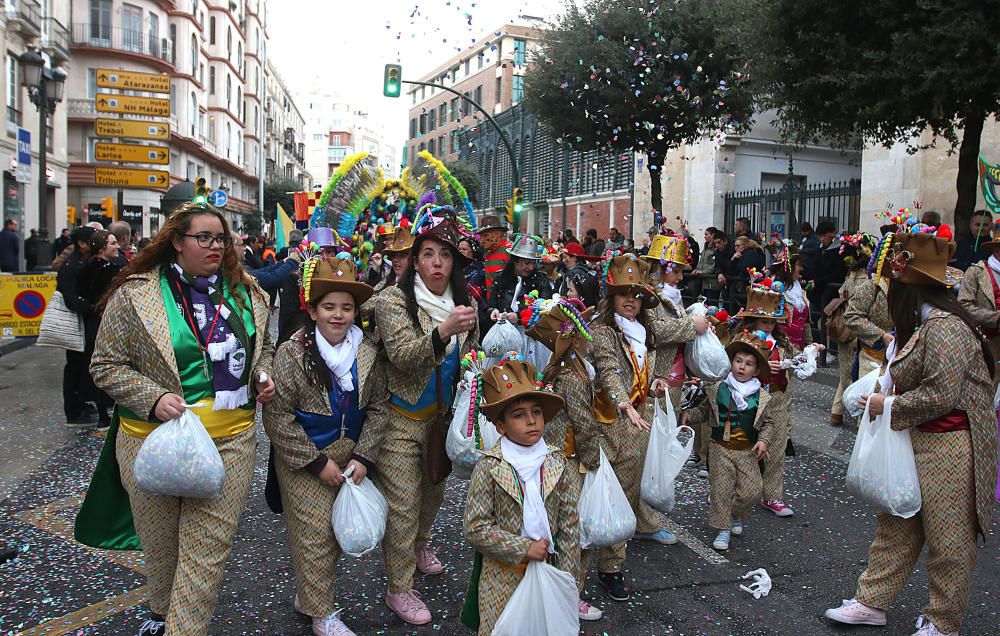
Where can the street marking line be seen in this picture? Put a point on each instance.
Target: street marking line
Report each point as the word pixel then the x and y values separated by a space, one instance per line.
pixel 695 544
pixel 90 614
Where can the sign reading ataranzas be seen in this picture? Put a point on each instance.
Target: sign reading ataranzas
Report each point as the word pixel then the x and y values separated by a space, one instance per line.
pixel 133 81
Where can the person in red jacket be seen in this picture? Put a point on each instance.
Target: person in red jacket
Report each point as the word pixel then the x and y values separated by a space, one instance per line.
pixel 493 237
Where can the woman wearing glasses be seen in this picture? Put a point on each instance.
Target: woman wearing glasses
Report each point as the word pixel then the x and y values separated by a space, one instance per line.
pixel 183 325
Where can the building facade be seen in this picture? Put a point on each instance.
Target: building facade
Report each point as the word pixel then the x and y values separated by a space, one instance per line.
pixel 43 25
pixel 215 56
pixel 284 130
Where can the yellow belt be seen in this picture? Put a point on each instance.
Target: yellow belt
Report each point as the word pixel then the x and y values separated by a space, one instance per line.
pixel 217 423
pixel 873 353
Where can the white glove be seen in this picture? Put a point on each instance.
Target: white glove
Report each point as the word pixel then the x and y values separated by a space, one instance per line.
pixel 761 585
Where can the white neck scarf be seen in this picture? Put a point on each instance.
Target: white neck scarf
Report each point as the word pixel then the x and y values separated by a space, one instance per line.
pixel 635 333
pixel 796 296
pixel 672 294
pixel 994 264
pixel 527 462
pixel 515 303
pixel 885 382
pixel 340 358
pixel 437 307
pixel 742 390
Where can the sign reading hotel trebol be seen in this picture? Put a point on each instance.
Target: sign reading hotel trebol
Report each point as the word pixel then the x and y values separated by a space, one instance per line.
pixel 132 129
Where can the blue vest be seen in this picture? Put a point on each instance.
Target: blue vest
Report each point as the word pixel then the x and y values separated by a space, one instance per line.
pixel 346 421
pixel 427 403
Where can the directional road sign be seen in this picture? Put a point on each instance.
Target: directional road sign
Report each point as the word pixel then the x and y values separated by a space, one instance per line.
pixel 132 153
pixel 131 105
pixel 132 128
pixel 132 81
pixel 132 177
pixel 218 198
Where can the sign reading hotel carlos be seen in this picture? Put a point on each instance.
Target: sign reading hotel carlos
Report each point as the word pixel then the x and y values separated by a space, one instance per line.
pixel 23 299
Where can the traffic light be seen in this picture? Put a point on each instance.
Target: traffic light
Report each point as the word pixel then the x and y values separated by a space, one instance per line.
pixel 70 215
pixel 514 207
pixel 200 190
pixel 392 81
pixel 108 208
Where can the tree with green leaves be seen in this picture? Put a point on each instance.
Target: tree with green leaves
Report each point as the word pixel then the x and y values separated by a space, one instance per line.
pixel 881 71
pixel 648 76
pixel 468 175
pixel 279 191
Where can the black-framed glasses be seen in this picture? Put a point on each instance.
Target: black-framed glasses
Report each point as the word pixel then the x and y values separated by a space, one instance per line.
pixel 206 240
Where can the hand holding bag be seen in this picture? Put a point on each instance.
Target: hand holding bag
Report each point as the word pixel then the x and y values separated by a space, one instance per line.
pixel 180 459
pixel 61 327
pixel 359 516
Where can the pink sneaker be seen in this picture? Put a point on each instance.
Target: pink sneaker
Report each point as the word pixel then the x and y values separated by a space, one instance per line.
pixel 588 612
pixel 778 507
pixel 853 612
pixel 926 628
pixel 427 561
pixel 408 606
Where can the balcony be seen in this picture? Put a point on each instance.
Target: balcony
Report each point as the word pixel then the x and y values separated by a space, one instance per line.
pixel 55 40
pixel 103 36
pixel 25 15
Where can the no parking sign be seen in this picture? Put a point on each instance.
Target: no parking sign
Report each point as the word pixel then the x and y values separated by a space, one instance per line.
pixel 23 298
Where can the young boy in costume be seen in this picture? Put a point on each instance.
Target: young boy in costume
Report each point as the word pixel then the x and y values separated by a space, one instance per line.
pixel 523 498
pixel 741 420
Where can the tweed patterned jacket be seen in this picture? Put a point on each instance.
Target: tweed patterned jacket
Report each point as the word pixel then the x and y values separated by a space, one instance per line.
pixel 578 393
pixel 767 421
pixel 134 359
pixel 494 517
pixel 867 314
pixel 672 329
pixel 940 369
pixel 976 295
pixel 296 390
pixel 409 349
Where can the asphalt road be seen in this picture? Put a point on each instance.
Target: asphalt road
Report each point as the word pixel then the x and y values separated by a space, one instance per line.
pixel 56 586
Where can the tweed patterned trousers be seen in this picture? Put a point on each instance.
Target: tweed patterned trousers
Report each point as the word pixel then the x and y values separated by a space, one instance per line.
pixel 845 362
pixel 946 523
pixel 774 466
pixel 735 484
pixel 186 542
pixel 308 503
pixel 414 501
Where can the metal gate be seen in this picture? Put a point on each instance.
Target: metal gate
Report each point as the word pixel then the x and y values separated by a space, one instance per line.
pixel 785 209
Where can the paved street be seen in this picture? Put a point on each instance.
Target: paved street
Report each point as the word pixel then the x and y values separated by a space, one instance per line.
pixel 56 586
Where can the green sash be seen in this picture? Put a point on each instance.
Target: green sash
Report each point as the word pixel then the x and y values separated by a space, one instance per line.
pixel 470 608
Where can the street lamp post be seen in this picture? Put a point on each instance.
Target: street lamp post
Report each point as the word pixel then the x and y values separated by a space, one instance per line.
pixel 45 88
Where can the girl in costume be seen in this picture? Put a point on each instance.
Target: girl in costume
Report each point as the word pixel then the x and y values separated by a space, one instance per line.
pixel 328 386
pixel 521 277
pixel 867 315
pixel 787 269
pixel 523 497
pixel 582 285
pixel 184 324
pixel 626 345
pixel 857 253
pixel 428 323
pixel 938 386
pixel 562 327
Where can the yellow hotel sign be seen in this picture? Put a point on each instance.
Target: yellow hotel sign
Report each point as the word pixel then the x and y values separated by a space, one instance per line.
pixel 132 153
pixel 131 105
pixel 132 81
pixel 132 177
pixel 132 129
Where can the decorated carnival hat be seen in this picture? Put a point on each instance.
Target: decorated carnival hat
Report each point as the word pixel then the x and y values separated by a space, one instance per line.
pixel 491 222
pixel 441 225
pixel 320 276
pixel 385 230
pixel 754 342
pixel 514 379
pixel 621 274
pixel 916 254
pixel 858 247
pixel 402 241
pixel 784 252
pixel 526 246
pixel 559 323
pixel 323 237
pixel 765 298
pixel 670 248
pixel 575 249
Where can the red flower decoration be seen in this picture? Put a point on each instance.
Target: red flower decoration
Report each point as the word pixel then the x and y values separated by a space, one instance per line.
pixel 945 232
pixel 722 315
pixel 766 282
pixel 525 316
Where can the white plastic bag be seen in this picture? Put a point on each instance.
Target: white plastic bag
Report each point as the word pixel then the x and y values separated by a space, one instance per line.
pixel 465 446
pixel 865 385
pixel 804 364
pixel 665 457
pixel 359 516
pixel 545 603
pixel 705 356
pixel 500 339
pixel 179 459
pixel 883 471
pixel 606 517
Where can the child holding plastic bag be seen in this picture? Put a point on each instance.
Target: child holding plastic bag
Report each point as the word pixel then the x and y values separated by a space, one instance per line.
pixel 329 386
pixel 742 419
pixel 563 329
pixel 522 502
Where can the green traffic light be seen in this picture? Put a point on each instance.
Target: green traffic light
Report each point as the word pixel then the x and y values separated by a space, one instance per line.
pixel 518 207
pixel 200 199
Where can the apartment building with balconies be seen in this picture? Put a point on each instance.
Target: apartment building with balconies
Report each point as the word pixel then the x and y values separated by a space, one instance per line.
pixel 215 53
pixel 284 131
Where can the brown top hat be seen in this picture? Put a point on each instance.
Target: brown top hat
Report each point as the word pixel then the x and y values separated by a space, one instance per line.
pixel 441 226
pixel 920 259
pixel 763 303
pixel 513 380
pixel 752 342
pixel 333 274
pixel 402 241
pixel 490 222
pixel 627 273
pixel 560 325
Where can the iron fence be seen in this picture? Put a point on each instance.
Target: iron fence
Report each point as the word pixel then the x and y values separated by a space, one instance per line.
pixel 783 210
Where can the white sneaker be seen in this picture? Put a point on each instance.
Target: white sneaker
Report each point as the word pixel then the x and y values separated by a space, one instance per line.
pixel 588 612
pixel 926 628
pixel 737 527
pixel 722 540
pixel 331 626
pixel 703 472
pixel 853 612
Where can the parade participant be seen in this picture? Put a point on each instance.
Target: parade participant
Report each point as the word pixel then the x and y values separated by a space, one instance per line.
pixel 493 237
pixel 428 323
pixel 624 355
pixel 562 328
pixel 582 285
pixel 379 267
pixel 857 252
pixel 574 261
pixel 787 269
pixel 291 314
pixel 398 253
pixel 523 497
pixel 742 420
pixel 184 325
pixel 867 317
pixel 519 278
pixel 979 292
pixel 93 282
pixel 327 387
pixel 939 388
pixel 550 267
